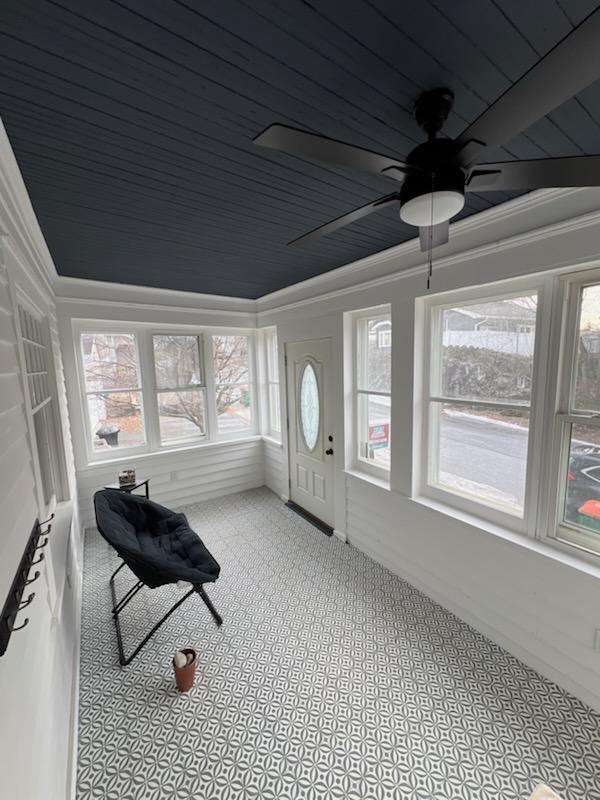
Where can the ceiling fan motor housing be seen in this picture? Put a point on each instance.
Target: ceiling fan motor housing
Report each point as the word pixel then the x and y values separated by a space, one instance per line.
pixel 434 191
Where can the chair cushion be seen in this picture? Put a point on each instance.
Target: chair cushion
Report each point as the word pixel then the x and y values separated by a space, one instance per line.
pixel 156 543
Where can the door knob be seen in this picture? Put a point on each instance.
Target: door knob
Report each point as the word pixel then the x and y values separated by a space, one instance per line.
pixel 329 451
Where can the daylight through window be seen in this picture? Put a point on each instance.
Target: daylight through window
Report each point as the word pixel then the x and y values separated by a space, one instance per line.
pixel 373 389
pixel 479 399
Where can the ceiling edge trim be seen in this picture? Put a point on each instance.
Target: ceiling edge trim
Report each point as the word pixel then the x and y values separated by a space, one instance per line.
pixel 520 240
pixel 341 275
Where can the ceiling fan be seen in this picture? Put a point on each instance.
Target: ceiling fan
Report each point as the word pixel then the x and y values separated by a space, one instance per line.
pixel 436 174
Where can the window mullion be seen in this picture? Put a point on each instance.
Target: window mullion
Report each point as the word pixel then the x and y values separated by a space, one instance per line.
pixel 209 379
pixel 148 389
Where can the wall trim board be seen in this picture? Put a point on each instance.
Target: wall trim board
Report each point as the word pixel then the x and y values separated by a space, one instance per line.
pixel 74 733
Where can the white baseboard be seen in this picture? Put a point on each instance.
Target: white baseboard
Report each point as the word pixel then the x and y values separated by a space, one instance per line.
pixel 341 535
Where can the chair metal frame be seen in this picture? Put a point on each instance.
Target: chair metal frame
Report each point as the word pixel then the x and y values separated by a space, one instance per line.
pixel 119 605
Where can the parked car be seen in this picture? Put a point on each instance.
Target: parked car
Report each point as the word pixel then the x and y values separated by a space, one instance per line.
pixel 583 485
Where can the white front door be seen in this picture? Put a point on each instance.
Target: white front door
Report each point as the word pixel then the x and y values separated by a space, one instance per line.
pixel 310 431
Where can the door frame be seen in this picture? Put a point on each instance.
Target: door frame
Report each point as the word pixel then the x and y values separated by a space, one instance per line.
pixel 328 384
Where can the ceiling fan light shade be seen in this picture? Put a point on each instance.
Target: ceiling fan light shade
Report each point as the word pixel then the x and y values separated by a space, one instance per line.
pixel 432 208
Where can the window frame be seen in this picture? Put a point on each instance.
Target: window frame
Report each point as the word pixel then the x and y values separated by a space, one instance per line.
pixel 251 382
pixel 49 407
pixel 271 351
pixel 359 318
pixel 562 416
pixel 201 387
pixel 143 333
pixel 430 330
pixel 121 451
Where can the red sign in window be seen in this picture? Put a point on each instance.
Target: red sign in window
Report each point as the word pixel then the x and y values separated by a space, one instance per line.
pixel 379 436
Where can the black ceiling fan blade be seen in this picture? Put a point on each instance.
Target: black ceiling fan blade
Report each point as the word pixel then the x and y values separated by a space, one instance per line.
pixel 571 66
pixel 434 236
pixel 538 173
pixel 347 219
pixel 322 148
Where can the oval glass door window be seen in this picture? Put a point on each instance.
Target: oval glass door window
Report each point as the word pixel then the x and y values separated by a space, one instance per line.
pixel 309 407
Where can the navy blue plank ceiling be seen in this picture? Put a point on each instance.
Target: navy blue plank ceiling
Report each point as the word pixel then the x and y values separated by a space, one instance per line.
pixel 132 121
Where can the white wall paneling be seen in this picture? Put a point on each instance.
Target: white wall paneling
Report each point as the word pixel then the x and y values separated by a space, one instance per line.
pixel 38 672
pixel 182 477
pixel 274 467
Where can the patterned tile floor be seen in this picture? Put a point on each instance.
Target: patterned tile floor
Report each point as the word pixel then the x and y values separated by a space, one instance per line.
pixel 331 678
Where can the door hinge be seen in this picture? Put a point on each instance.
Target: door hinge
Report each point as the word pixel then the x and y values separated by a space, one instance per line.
pixel 289 483
pixel 285 360
pixel 287 423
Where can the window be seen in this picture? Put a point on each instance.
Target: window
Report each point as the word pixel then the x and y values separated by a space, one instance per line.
pixel 38 387
pixel 478 401
pixel 274 408
pixel 579 420
pixel 233 396
pixel 146 390
pixel 373 369
pixel 180 388
pixel 112 390
pixel 384 338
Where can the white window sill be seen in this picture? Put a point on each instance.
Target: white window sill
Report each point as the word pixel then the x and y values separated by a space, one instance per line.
pixel 381 483
pixel 548 548
pixel 140 457
pixel 266 437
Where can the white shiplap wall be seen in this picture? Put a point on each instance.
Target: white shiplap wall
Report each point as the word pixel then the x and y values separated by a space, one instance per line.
pixel 38 671
pixel 274 472
pixel 182 477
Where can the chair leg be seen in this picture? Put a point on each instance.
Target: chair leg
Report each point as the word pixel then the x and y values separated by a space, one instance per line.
pixel 125 660
pixel 127 597
pixel 217 617
pixel 119 605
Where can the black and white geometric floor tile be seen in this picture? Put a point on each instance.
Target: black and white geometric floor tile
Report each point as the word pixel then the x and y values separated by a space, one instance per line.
pixel 330 679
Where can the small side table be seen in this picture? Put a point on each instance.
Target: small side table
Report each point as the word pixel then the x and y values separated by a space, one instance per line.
pixel 145 482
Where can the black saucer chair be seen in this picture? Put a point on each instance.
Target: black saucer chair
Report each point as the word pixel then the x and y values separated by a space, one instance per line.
pixel 159 547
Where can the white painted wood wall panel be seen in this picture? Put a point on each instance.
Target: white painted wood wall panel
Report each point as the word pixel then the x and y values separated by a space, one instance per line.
pixel 274 472
pixel 542 610
pixel 38 671
pixel 184 477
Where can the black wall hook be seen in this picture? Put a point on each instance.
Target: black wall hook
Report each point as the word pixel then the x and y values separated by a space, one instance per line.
pixel 14 600
pixel 25 603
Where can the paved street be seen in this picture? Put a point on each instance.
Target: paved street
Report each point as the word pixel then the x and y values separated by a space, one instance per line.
pixel 474 450
pixel 485 452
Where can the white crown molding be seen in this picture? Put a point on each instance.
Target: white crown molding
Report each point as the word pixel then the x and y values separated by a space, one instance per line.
pixel 519 240
pixel 117 295
pixel 339 279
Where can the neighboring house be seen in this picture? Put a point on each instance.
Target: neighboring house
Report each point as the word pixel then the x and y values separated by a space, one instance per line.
pixel 500 316
pixel 380 334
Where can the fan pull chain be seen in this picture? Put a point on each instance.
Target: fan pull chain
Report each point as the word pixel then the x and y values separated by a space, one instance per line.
pixel 430 273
